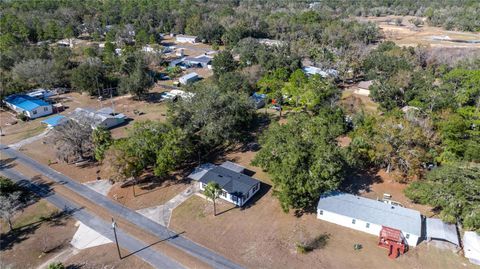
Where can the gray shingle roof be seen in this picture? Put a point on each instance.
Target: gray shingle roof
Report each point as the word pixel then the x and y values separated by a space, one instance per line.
pixel 372 211
pixel 234 183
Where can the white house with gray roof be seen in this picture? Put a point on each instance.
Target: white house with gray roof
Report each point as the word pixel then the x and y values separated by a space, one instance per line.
pixel 369 215
pixel 237 188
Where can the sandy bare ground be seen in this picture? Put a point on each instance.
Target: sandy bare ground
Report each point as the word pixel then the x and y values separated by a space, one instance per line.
pixel 25 247
pixel 409 35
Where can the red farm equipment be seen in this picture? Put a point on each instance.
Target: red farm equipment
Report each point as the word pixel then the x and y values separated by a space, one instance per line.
pixel 393 240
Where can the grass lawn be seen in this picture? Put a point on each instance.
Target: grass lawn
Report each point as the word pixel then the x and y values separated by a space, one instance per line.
pixel 39 234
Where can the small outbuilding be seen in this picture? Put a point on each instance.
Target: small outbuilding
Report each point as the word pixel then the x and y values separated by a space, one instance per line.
pixel 186 39
pixel 31 107
pixel 54 121
pixel 471 247
pixel 438 230
pixel 363 88
pixel 189 78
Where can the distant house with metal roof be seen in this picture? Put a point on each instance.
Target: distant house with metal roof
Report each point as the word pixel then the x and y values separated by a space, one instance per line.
pixel 104 117
pixel 41 93
pixel 176 62
pixel 369 215
pixel 202 60
pixel 55 121
pixel 186 39
pixel 325 73
pixel 29 106
pixel 237 187
pixel 189 78
pixel 271 42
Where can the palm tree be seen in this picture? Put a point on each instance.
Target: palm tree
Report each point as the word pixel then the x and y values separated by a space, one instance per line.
pixel 212 191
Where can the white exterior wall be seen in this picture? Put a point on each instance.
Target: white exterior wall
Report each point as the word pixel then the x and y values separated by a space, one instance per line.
pixel 360 225
pixel 228 197
pixel 363 92
pixel 188 80
pixel 181 39
pixel 41 111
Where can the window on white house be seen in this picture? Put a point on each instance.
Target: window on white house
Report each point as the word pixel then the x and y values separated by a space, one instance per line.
pixel 321 212
pixel 367 225
pixel 255 188
pixel 34 112
pixel 45 109
pixel 247 195
pixel 353 221
pixel 224 194
pixel 407 236
pixel 234 198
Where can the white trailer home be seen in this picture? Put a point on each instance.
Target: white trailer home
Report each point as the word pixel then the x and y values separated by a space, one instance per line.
pixel 186 39
pixel 189 78
pixel 369 216
pixel 104 117
pixel 237 188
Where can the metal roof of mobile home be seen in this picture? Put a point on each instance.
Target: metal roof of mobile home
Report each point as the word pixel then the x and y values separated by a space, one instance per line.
pixel 437 229
pixel 372 211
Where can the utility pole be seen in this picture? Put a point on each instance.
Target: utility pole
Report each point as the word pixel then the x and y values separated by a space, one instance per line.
pixel 114 226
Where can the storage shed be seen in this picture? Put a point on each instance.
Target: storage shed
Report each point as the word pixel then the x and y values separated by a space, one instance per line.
pixel 438 230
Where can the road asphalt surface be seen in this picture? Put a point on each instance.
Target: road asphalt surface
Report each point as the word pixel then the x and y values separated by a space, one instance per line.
pixel 204 254
pixel 134 246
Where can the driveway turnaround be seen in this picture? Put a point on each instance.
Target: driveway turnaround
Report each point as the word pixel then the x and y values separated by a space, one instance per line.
pixel 204 254
pixel 149 255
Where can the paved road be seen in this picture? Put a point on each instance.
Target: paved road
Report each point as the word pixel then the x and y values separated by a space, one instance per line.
pixel 153 257
pixel 208 256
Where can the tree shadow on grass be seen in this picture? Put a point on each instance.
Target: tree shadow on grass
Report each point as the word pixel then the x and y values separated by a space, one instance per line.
pixel 7 163
pixel 357 181
pixel 20 234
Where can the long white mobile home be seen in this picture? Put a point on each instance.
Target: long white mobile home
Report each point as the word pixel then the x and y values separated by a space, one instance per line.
pixel 369 216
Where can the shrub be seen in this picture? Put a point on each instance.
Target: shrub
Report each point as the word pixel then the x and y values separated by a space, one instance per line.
pixel 22 117
pixel 56 265
pixel 318 242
